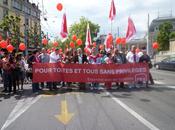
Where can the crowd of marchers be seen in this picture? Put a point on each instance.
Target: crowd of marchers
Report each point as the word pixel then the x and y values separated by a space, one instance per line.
pixel 17 69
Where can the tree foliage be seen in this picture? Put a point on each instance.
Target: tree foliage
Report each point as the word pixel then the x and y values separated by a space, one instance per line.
pixel 172 35
pixel 11 28
pixel 79 29
pixel 164 36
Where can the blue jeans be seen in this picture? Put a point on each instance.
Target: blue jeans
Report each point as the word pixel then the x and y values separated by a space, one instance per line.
pixel 35 87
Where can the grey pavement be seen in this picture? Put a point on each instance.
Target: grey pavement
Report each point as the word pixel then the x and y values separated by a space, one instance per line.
pixel 94 110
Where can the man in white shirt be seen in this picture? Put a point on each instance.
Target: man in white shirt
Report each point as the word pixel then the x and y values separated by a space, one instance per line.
pixel 132 57
pixel 54 56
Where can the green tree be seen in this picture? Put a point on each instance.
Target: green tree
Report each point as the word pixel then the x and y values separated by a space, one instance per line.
pixel 79 29
pixel 11 28
pixel 164 36
pixel 172 35
pixel 34 36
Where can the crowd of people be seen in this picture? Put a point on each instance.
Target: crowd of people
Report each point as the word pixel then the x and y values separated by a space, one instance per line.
pixel 17 69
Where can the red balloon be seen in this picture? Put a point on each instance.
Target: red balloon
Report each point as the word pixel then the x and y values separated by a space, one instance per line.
pixel 45 41
pixel 155 45
pixel 72 45
pixel 3 44
pixel 59 6
pixel 118 40
pixel 10 48
pixel 94 44
pixel 123 40
pixel 74 37
pixel 79 42
pixel 22 46
pixel 55 44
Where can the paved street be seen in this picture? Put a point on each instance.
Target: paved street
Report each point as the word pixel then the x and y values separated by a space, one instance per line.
pixel 125 109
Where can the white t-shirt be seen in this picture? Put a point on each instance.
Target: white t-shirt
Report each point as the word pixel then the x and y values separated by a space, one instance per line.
pixel 54 58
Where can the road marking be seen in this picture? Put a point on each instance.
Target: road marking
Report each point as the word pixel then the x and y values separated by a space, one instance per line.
pixel 132 112
pixel 65 116
pixel 162 83
pixel 21 106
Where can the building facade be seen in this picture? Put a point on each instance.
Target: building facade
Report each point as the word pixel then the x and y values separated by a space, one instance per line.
pixel 29 14
pixel 154 28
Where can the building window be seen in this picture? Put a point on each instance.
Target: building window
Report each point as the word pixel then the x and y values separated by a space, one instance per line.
pixel 17 5
pixel 27 21
pixel 5 12
pixel 5 2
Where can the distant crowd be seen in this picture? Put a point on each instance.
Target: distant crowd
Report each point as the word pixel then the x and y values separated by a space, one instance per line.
pixel 15 69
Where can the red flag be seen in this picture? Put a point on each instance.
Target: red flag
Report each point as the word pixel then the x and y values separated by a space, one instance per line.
pixel 108 42
pixel 88 42
pixel 131 29
pixel 112 12
pixel 64 31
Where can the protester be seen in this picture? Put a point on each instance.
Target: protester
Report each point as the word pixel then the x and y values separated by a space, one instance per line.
pixel 7 72
pixel 93 60
pixel 108 60
pixel 132 57
pixel 54 58
pixel 32 60
pixel 44 58
pixel 146 59
pixel 81 58
pixel 118 58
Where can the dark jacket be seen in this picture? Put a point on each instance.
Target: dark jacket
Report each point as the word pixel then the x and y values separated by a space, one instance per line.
pixel 84 59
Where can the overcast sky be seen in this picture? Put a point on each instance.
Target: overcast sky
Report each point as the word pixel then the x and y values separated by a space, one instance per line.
pixel 98 11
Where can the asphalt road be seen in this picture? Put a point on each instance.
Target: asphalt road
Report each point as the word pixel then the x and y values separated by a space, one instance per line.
pixel 125 109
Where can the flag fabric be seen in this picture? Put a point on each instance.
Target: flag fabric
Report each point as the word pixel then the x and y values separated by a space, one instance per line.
pixel 112 12
pixel 108 42
pixel 88 42
pixel 64 31
pixel 131 29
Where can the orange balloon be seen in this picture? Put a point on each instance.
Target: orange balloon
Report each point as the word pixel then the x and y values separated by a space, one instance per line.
pixel 22 46
pixel 155 45
pixel 55 44
pixel 72 45
pixel 118 40
pixel 10 48
pixel 59 6
pixel 74 37
pixel 45 41
pixel 79 42
pixel 123 40
pixel 3 44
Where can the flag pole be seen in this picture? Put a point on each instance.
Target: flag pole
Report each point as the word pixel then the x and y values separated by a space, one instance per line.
pixel 148 47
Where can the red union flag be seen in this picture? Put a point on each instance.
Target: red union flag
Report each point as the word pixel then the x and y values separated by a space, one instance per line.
pixel 131 29
pixel 64 31
pixel 88 42
pixel 112 12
